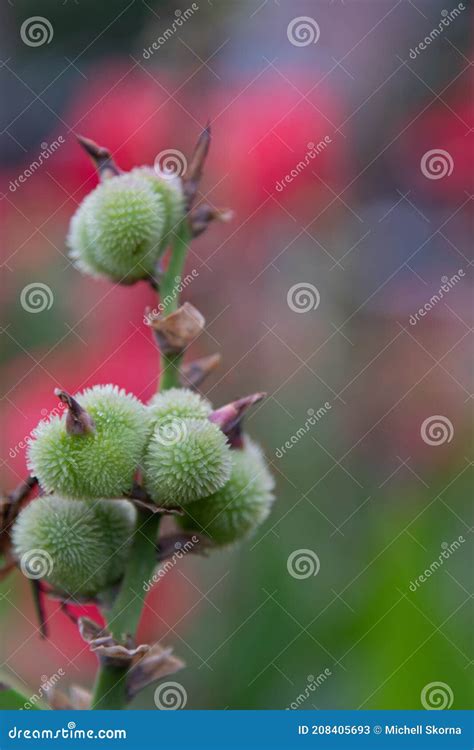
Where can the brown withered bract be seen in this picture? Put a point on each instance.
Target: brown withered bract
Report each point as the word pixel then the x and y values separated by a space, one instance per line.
pixel 175 332
pixel 105 165
pixel 229 417
pixel 78 421
pixel 193 373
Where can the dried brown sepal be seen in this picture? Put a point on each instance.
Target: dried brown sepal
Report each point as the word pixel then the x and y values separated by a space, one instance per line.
pixel 104 645
pixel 193 374
pixel 175 332
pixel 229 417
pixel 191 542
pixel 201 217
pixel 78 421
pixel 159 662
pixel 193 174
pixel 105 165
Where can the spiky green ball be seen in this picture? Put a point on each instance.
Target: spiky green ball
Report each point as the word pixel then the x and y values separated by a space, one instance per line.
pixel 186 459
pixel 178 403
pixel 118 229
pixel 122 226
pixel 235 510
pixel 79 547
pixel 169 188
pixel 97 464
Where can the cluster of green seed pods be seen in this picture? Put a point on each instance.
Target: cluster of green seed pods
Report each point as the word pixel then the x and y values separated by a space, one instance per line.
pixel 89 466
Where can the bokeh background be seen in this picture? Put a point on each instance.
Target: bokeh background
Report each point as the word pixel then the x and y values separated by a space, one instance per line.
pixel 367 227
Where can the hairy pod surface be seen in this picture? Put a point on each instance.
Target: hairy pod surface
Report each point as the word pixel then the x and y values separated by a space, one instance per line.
pixel 186 459
pixel 79 547
pixel 178 403
pixel 101 463
pixel 122 226
pixel 238 508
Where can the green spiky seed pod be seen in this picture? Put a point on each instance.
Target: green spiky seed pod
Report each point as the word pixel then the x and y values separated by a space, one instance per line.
pixel 118 229
pixel 186 459
pixel 100 462
pixel 170 189
pixel 235 511
pixel 80 548
pixel 178 403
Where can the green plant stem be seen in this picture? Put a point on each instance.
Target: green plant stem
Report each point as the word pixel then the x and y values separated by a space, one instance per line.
pixel 170 363
pixel 109 690
pixel 110 686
